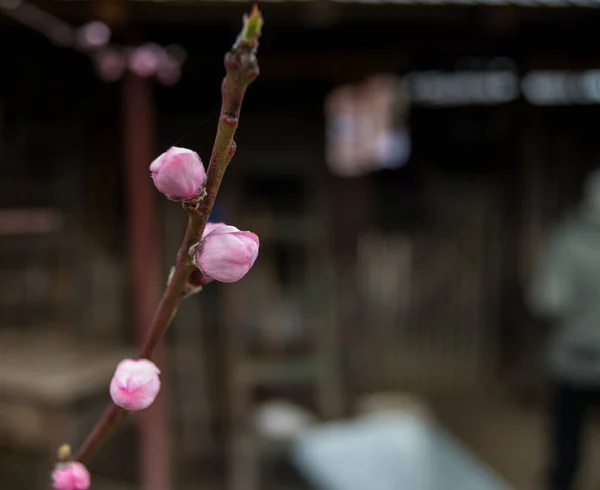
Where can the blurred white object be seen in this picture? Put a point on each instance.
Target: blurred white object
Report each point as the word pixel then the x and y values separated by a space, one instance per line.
pixel 393 148
pixel 389 450
pixel 282 421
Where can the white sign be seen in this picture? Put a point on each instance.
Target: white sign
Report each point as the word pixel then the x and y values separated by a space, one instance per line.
pixel 463 88
pixel 542 88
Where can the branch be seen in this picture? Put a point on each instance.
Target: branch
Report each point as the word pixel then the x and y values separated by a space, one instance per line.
pixel 241 69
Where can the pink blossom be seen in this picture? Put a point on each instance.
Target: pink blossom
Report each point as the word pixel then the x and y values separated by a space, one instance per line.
pixel 110 64
pixel 145 60
pixel 135 384
pixel 178 173
pixel 226 254
pixel 71 476
pixel 94 35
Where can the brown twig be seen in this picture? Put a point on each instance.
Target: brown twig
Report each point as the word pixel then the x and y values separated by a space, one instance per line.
pixel 241 69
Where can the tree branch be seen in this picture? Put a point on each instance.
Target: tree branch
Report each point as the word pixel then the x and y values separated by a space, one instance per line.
pixel 241 69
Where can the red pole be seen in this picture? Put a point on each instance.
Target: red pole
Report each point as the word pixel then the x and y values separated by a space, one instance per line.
pixel 144 259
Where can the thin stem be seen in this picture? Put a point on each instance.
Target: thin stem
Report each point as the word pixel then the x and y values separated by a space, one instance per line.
pixel 110 420
pixel 169 303
pixel 242 68
pixel 166 310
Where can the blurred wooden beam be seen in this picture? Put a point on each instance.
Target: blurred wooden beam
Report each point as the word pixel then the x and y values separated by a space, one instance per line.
pixel 145 277
pixel 314 13
pixel 34 221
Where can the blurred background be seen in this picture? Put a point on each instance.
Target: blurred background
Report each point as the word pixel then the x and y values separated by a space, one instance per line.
pixel 402 163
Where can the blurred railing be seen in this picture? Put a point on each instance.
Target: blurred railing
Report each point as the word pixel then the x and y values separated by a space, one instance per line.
pixel 430 296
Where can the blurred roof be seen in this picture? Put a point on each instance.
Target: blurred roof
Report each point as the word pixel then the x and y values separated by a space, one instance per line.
pixel 521 3
pixel 320 13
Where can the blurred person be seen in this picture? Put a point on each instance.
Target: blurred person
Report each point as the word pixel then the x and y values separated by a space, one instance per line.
pixel 366 126
pixel 566 290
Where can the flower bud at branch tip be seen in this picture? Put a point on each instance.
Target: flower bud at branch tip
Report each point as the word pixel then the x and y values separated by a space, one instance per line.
pixel 179 174
pixel 64 452
pixel 135 384
pixel 252 27
pixel 225 253
pixel 71 476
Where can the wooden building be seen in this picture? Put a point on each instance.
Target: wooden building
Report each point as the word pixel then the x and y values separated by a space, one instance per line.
pixel 426 260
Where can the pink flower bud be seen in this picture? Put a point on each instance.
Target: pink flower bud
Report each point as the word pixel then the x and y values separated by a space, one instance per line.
pixel 135 384
pixel 71 476
pixel 178 173
pixel 226 254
